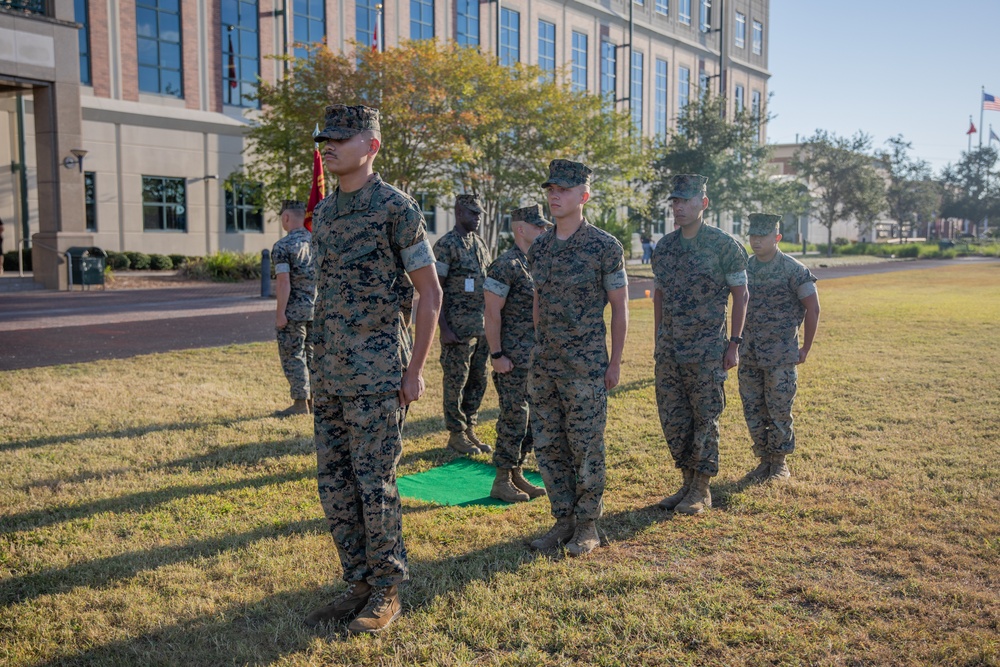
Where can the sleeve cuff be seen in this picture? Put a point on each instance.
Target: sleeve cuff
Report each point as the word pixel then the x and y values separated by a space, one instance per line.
pixel 442 269
pixel 616 280
pixel 282 268
pixel 736 279
pixel 806 290
pixel 497 287
pixel 417 256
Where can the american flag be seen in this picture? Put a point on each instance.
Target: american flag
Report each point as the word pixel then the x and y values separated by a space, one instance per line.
pixel 990 103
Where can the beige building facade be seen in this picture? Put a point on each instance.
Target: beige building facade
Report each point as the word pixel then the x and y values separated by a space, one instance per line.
pixel 152 91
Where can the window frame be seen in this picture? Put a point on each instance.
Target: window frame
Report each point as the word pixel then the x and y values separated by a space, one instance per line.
pixel 579 67
pixel 90 200
pixel 308 20
pixel 510 46
pixel 550 67
pixel 739 103
pixel 81 14
pixel 683 88
pixel 662 7
pixel 235 58
pixel 365 8
pixel 684 12
pixel 758 38
pixel 163 205
pixel 740 33
pixel 660 95
pixel 609 74
pixel 466 38
pixel 240 208
pixel 418 23
pixel 638 67
pixel 161 89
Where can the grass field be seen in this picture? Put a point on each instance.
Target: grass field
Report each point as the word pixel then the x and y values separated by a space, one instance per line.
pixel 155 514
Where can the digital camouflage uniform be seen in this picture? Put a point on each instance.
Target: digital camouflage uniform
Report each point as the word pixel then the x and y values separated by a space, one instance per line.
pixel 566 384
pixel 292 254
pixel 770 351
pixel 461 267
pixel 509 278
pixel 363 252
pixel 694 277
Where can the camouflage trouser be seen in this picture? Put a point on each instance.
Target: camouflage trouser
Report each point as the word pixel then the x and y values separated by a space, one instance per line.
pixel 514 439
pixel 567 420
pixel 690 398
pixel 768 393
pixel 464 366
pixel 295 349
pixel 358 445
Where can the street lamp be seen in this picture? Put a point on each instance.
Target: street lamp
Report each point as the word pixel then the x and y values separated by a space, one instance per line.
pixel 76 160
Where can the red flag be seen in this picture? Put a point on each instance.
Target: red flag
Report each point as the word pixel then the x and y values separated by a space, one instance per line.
pixel 232 64
pixel 318 189
pixel 375 34
pixel 972 128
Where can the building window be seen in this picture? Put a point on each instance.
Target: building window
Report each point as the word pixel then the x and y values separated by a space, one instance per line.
pixel 740 39
pixel 243 213
pixel 639 2
pixel 663 7
pixel 660 115
pixel 636 93
pixel 547 47
pixel 309 23
pixel 467 28
pixel 80 16
pixel 758 37
pixel 428 210
pixel 684 11
pixel 704 15
pixel 703 85
pixel 364 19
pixel 609 71
pixel 579 61
pixel 738 99
pixel 755 103
pixel 90 199
pixel 240 64
pixel 164 204
pixel 683 87
pixel 510 36
pixel 421 19
pixel 158 32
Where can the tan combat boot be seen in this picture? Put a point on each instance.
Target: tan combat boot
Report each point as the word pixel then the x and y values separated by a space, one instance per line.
pixel 299 407
pixel 699 497
pixel 350 603
pixel 461 443
pixel 671 502
pixel 779 471
pixel 503 489
pixel 479 444
pixel 558 535
pixel 382 609
pixel 758 474
pixel 584 540
pixel 517 477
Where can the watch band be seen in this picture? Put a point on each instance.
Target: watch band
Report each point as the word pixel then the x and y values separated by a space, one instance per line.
pixel 736 339
pixel 496 355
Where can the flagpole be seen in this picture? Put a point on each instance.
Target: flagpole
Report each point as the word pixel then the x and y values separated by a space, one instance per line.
pixel 982 97
pixel 381 28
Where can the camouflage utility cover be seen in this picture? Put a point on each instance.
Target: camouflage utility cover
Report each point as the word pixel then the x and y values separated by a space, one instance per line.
pixel 471 202
pixel 460 258
pixel 775 311
pixel 292 254
pixel 343 122
pixel 531 215
pixel 762 224
pixel 508 277
pixel 686 186
pixel 291 205
pixel 568 174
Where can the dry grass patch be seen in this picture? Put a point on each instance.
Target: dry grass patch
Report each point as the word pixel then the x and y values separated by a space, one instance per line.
pixel 155 513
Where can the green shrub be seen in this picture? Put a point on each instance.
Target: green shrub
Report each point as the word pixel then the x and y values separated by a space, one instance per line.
pixel 908 250
pixel 118 261
pixel 160 262
pixel 178 260
pixel 224 266
pixel 138 260
pixel 10 260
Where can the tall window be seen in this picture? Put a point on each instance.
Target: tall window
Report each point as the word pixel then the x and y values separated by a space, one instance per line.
pixel 758 37
pixel 579 61
pixel 164 204
pixel 704 15
pixel 683 87
pixel 639 2
pixel 243 212
pixel 740 39
pixel 510 36
pixel 636 93
pixel 90 199
pixel 755 103
pixel 364 21
pixel 738 99
pixel 609 71
pixel 703 85
pixel 663 7
pixel 426 203
pixel 660 114
pixel 80 16
pixel 421 19
pixel 547 47
pixel 684 11
pixel 309 24
pixel 240 62
pixel 467 25
pixel 158 31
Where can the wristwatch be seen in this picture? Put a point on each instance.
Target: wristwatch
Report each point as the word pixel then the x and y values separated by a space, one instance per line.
pixel 496 355
pixel 736 339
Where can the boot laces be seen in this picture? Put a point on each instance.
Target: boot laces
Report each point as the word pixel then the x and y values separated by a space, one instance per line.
pixel 378 601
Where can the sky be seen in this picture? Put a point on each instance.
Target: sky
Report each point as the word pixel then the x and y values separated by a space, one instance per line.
pixel 885 67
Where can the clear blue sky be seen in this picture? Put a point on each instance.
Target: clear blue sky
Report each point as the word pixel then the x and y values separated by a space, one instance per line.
pixel 886 67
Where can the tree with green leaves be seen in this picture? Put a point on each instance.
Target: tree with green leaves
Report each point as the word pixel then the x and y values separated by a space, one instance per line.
pixel 913 197
pixel 972 187
pixel 842 178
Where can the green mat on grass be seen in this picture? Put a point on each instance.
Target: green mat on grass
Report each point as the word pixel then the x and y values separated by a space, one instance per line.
pixel 462 482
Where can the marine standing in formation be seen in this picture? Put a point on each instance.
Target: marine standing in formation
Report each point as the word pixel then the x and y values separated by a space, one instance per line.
pixel 510 332
pixel 371 251
pixel 296 293
pixel 696 268
pixel 577 269
pixel 462 258
pixel 782 295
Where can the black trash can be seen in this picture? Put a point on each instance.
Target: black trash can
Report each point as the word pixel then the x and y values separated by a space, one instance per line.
pixel 86 266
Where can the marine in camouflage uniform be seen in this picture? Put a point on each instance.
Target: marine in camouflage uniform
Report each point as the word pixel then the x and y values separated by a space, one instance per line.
pixel 369 243
pixel 510 331
pixel 782 294
pixel 694 277
pixel 575 278
pixel 462 258
pixel 296 291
